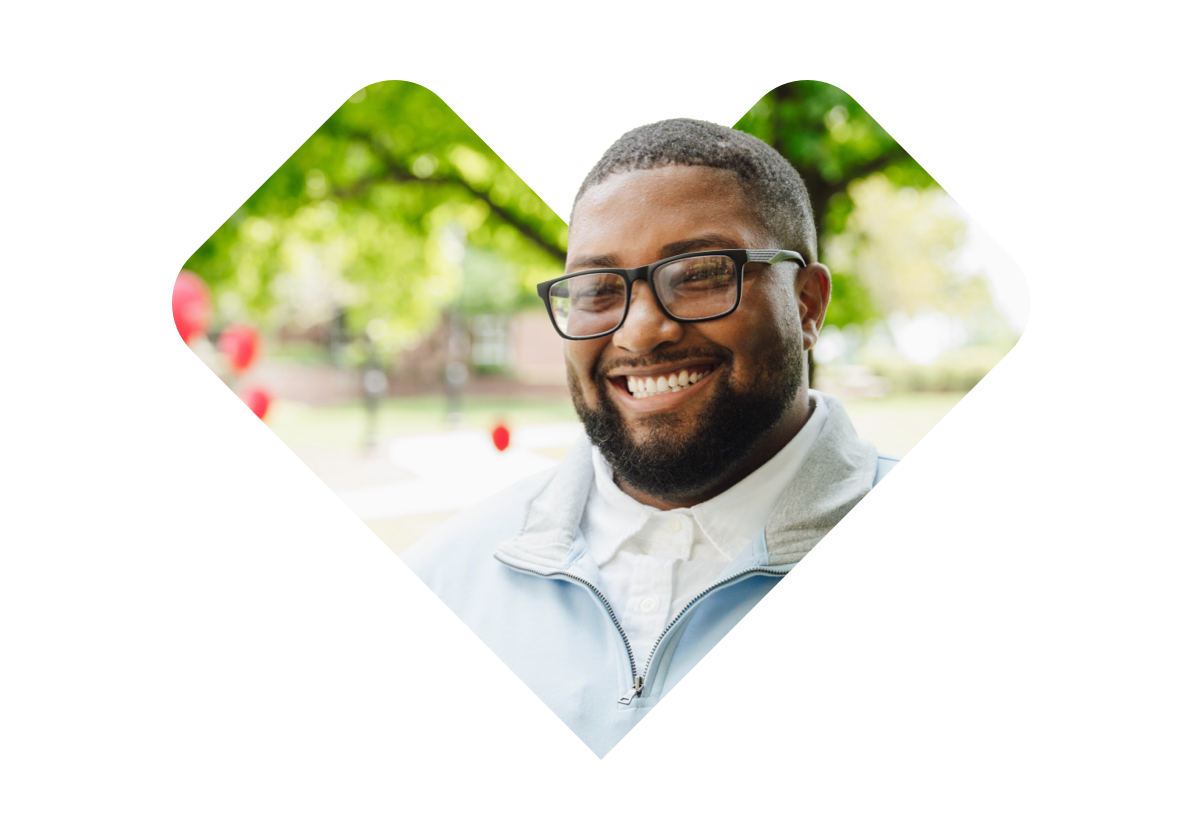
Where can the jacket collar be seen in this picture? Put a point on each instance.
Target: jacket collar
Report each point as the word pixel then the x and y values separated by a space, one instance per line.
pixel 545 540
pixel 837 472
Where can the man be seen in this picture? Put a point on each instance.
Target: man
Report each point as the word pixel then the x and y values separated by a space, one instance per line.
pixel 710 468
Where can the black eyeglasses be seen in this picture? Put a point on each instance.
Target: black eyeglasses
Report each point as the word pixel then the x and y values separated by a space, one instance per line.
pixel 690 288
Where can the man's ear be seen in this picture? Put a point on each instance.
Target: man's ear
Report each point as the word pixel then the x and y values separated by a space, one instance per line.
pixel 813 291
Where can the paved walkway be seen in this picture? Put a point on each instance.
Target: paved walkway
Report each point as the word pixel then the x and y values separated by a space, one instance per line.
pixel 429 476
pixel 454 470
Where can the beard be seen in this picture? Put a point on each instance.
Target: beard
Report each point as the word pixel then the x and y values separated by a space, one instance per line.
pixel 680 457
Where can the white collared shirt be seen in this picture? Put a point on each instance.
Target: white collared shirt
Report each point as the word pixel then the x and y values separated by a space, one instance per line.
pixel 652 562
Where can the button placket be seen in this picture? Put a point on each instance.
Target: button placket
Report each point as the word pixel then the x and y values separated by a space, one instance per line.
pixel 644 589
pixel 645 609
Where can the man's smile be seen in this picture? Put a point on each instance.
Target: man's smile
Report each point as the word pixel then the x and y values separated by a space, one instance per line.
pixel 659 387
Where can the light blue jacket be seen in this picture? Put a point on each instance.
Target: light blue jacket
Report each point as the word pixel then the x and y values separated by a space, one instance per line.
pixel 517 570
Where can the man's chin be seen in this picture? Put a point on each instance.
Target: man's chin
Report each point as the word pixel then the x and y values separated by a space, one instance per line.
pixel 646 428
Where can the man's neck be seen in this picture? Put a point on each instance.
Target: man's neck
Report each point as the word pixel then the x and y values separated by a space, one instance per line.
pixel 763 451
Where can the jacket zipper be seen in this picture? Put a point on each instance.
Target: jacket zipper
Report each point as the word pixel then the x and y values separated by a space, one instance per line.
pixel 640 680
pixel 634 673
pixel 637 689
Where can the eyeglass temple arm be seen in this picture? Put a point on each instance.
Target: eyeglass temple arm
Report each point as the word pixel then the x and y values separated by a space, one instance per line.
pixel 771 257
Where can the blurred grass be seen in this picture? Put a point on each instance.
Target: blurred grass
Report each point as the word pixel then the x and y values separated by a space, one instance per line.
pixel 897 422
pixel 894 423
pixel 345 425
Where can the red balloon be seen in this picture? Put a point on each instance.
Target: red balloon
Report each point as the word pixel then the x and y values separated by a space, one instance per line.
pixel 257 399
pixel 500 437
pixel 190 305
pixel 240 346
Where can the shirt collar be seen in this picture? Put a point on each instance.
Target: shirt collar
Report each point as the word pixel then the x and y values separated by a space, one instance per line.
pixel 731 520
pixel 610 516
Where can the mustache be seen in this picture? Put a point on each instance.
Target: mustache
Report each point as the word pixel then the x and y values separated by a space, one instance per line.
pixel 671 356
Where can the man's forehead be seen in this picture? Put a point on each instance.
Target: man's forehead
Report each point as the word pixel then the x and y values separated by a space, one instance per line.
pixel 673 181
pixel 676 209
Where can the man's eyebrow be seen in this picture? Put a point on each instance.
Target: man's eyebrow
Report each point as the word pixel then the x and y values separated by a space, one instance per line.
pixel 583 263
pixel 712 241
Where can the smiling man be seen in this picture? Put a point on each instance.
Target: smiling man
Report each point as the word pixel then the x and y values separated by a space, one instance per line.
pixel 709 468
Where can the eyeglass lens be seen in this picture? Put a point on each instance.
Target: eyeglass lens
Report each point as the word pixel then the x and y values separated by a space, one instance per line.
pixel 691 289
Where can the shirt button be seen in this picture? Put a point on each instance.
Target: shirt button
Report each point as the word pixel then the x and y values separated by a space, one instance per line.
pixel 647 605
pixel 674 525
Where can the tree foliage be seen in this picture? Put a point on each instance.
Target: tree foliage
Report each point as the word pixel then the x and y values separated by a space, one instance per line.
pixel 380 214
pixel 902 246
pixel 832 142
pixel 394 209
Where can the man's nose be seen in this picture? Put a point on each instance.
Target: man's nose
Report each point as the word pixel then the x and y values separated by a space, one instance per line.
pixel 646 326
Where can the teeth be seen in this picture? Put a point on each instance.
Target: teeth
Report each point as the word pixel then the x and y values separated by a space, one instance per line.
pixel 643 386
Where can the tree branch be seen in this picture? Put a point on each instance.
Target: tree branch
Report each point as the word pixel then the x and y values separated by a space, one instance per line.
pixel 822 191
pixel 398 173
pixel 897 155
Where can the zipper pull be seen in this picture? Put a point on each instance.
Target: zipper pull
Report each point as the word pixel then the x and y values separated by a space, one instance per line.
pixel 633 691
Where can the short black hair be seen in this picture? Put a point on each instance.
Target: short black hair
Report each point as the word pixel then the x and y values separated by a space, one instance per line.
pixel 773 188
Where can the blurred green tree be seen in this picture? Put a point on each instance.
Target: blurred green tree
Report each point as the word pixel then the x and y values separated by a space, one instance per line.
pixel 901 245
pixel 394 209
pixel 832 142
pixel 371 218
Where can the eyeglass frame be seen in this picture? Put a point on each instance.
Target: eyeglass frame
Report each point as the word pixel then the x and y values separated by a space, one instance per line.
pixel 630 276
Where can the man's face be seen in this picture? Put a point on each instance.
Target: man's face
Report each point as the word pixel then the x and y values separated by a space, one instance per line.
pixel 679 444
